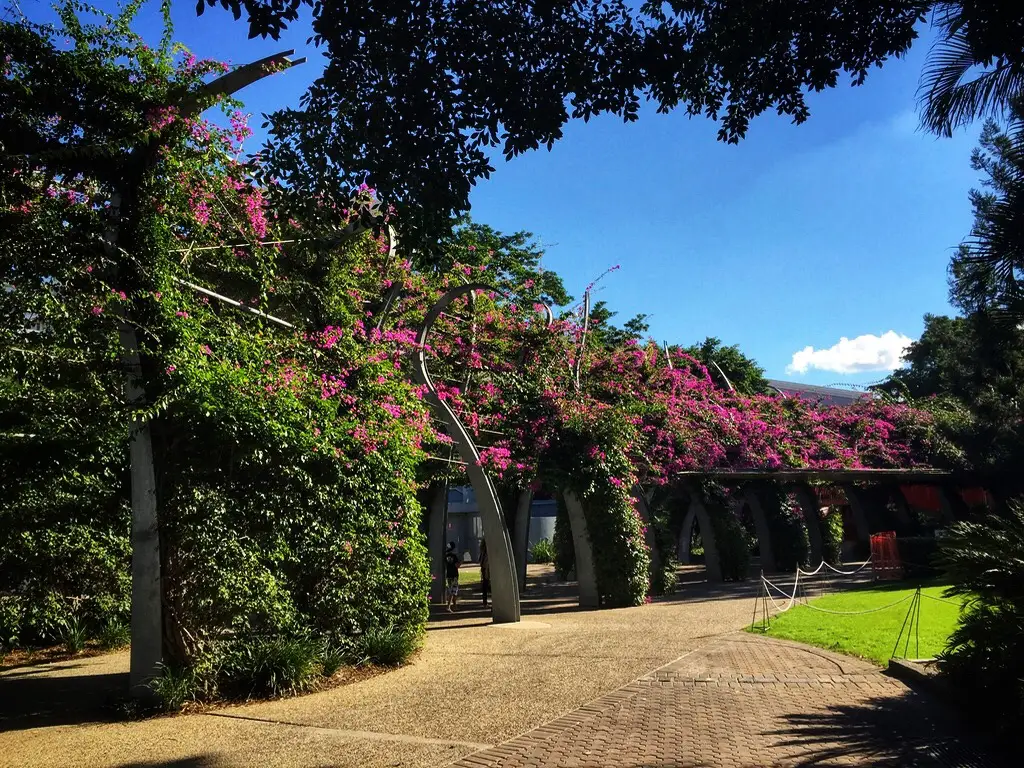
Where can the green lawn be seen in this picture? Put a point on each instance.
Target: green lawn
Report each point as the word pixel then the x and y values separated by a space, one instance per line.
pixel 469 575
pixel 873 635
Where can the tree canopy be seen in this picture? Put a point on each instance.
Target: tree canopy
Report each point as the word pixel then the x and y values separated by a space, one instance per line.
pixel 417 96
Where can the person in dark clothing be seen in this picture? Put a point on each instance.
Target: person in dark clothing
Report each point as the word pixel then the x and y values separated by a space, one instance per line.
pixel 485 570
pixel 451 576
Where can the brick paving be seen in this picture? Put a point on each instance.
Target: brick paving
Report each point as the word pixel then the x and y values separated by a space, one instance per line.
pixel 746 701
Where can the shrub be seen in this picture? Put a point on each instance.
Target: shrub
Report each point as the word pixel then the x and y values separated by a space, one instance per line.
pixel 74 635
pixel 10 622
pixel 389 647
pixel 985 655
pixel 175 687
pixel 115 634
pixel 269 666
pixel 664 579
pixel 332 658
pixel 543 551
pixel 790 543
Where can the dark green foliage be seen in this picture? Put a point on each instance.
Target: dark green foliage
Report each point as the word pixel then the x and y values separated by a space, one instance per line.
pixel 542 552
pixel 114 634
pixel 917 553
pixel 175 687
pixel 388 646
pixel 664 578
pixel 508 75
pixel 743 373
pixel 565 549
pixel 269 666
pixel 985 658
pixel 332 658
pixel 832 537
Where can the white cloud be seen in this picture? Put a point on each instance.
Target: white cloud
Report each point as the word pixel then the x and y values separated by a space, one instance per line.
pixel 864 353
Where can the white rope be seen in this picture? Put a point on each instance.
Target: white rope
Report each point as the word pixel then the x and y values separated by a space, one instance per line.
pixel 858 613
pixel 832 568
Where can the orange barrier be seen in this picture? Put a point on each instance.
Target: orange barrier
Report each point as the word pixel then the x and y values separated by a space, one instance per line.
pixel 885 556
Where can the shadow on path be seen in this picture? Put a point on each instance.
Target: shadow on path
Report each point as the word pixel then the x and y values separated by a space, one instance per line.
pixel 32 700
pixel 887 732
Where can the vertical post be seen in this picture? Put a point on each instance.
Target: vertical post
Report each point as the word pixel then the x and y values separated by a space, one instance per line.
pixel 521 535
pixel 807 500
pixel 859 504
pixel 643 506
pixel 753 495
pixel 147 614
pixel 683 553
pixel 586 576
pixel 437 531
pixel 699 507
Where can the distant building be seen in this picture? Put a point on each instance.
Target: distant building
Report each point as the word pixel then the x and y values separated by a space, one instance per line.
pixel 466 529
pixel 815 394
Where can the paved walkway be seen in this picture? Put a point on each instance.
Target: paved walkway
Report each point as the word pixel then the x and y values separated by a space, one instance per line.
pixel 481 695
pixel 747 701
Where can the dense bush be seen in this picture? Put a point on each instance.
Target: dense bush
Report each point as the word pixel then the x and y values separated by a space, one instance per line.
pixel 985 656
pixel 542 552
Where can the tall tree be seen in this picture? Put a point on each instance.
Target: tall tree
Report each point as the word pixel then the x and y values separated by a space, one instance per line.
pixel 745 375
pixel 417 93
pixel 986 272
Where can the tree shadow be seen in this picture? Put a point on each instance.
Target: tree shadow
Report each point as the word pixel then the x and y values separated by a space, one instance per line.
pixel 196 761
pixel 910 729
pixel 31 700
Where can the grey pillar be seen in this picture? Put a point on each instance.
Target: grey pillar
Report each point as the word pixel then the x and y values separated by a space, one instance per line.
pixel 585 574
pixel 753 496
pixel 952 504
pixel 504 584
pixel 809 505
pixel 899 502
pixel 683 553
pixel 699 507
pixel 643 506
pixel 521 535
pixel 860 503
pixel 437 529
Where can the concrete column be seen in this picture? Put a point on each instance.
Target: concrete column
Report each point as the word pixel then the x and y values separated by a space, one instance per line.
pixel 699 507
pixel 643 506
pixel 903 517
pixel 683 553
pixel 586 576
pixel 860 504
pixel 809 505
pixel 437 529
pixel 753 497
pixel 953 506
pixel 521 535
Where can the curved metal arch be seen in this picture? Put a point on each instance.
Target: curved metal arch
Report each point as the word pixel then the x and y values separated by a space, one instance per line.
pixel 504 585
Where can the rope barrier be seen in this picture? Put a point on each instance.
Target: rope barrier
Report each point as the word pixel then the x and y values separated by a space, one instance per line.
pixel 858 613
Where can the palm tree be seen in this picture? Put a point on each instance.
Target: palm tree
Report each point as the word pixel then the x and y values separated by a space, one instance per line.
pixel 976 66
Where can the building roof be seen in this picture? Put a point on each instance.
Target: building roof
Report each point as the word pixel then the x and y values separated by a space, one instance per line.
pixel 826 395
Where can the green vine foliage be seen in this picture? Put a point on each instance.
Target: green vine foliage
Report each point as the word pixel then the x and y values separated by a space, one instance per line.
pixel 589 458
pixel 790 542
pixel 285 458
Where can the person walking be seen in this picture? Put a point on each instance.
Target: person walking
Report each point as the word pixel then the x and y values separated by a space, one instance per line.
pixel 485 570
pixel 451 576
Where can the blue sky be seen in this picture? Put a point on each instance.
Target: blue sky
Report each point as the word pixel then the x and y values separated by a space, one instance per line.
pixel 786 244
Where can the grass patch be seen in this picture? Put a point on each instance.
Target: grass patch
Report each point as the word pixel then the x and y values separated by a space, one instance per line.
pixel 469 575
pixel 873 635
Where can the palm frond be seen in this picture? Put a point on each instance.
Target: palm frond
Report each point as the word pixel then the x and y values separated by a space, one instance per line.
pixel 946 99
